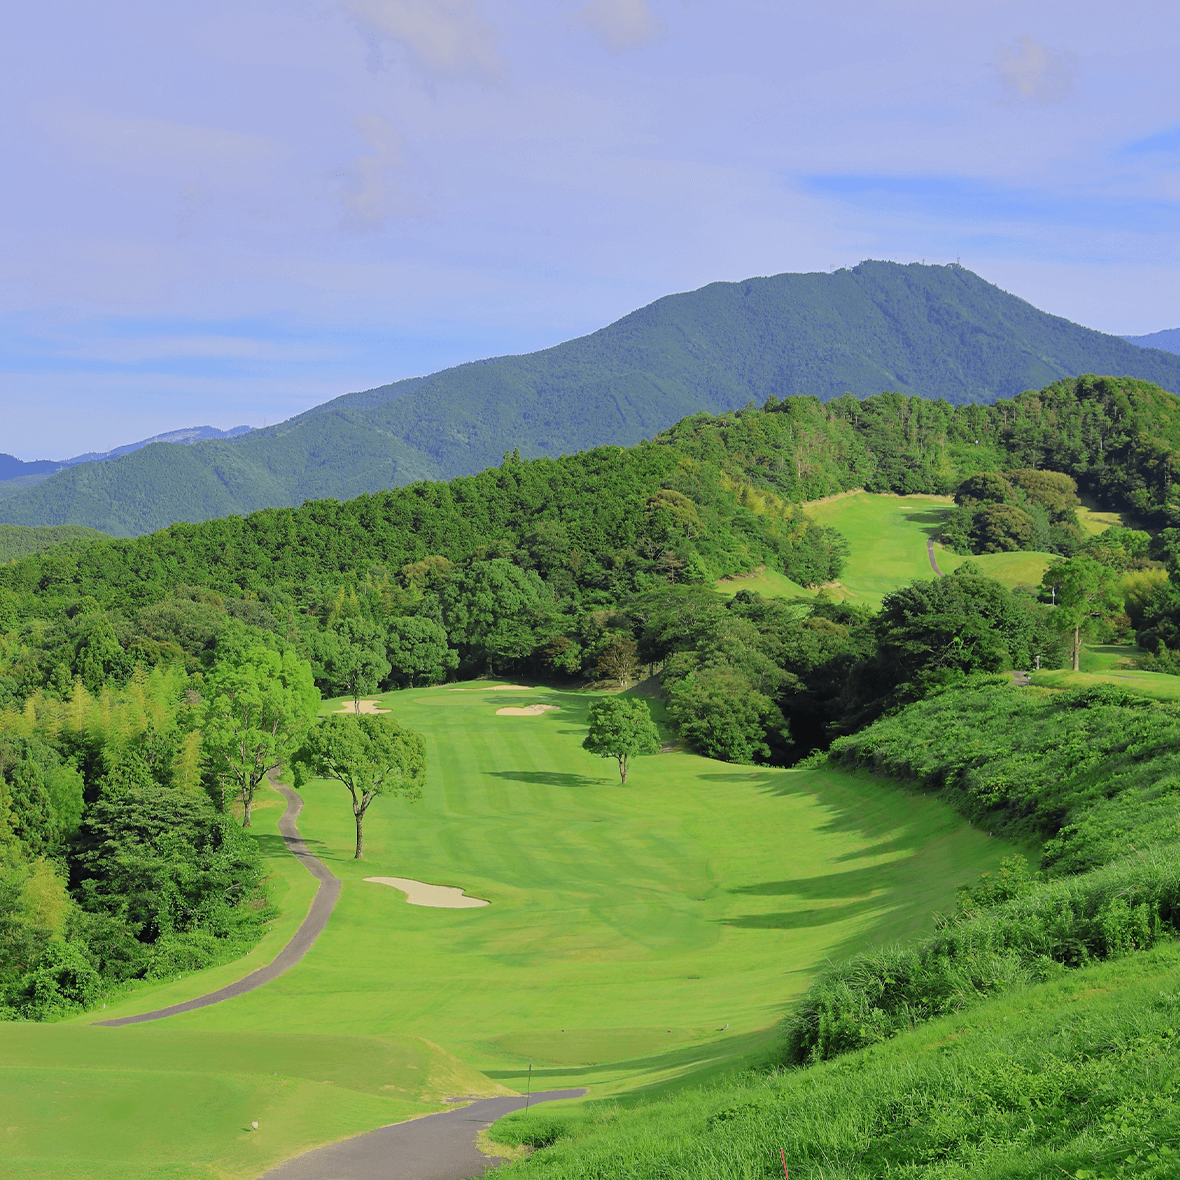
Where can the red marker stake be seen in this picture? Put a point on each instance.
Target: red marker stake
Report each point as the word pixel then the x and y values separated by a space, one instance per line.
pixel 783 1154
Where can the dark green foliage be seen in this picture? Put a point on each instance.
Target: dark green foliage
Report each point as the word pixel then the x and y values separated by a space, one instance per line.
pixel 1095 773
pixel 40 796
pixel 17 541
pixel 937 332
pixel 418 651
pixel 935 633
pixel 496 612
pixel 723 715
pixel 164 862
pixel 1086 771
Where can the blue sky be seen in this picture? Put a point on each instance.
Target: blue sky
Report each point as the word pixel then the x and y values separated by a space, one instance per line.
pixel 224 213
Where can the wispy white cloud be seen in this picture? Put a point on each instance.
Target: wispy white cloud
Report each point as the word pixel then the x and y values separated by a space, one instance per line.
pixel 620 24
pixel 1031 70
pixel 449 39
pixel 370 193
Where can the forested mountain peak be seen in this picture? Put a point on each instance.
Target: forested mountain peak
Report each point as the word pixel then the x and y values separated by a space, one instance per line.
pixel 931 331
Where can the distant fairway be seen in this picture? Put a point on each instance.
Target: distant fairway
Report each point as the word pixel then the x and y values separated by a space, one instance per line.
pixel 627 926
pixel 888 535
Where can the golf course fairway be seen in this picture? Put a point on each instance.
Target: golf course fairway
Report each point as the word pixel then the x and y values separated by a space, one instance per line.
pixel 888 538
pixel 635 935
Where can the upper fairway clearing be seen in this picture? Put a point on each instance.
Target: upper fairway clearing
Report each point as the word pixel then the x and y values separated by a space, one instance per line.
pixel 888 536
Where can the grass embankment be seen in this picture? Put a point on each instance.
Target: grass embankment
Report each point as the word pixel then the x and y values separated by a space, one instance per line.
pixel 627 927
pixel 1076 1077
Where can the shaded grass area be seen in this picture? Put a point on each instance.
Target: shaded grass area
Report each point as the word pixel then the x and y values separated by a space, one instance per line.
pixel 1076 1077
pixel 627 928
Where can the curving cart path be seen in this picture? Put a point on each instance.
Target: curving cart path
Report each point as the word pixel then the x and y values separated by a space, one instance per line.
pixel 437 1147
pixel 302 941
pixel 930 554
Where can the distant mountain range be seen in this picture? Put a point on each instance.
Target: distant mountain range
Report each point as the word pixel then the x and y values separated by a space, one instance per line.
pixel 1168 340
pixel 14 468
pixel 937 331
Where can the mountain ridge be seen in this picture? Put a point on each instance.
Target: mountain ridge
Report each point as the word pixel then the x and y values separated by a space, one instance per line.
pixel 930 330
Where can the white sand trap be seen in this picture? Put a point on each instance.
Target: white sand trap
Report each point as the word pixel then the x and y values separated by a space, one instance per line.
pixel 495 688
pixel 527 711
pixel 369 706
pixel 441 897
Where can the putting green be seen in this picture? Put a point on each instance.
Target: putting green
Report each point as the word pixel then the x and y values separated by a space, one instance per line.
pixel 627 928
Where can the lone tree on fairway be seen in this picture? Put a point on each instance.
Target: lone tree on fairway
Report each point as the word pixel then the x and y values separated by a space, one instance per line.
pixel 260 704
pixel 370 755
pixel 621 727
pixel 1083 590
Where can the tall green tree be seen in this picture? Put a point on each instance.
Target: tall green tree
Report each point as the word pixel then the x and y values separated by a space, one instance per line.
pixel 371 756
pixel 354 658
pixel 1083 590
pixel 621 728
pixel 418 650
pixel 259 705
pixel 497 610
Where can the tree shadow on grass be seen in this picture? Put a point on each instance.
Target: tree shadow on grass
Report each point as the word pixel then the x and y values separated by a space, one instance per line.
pixel 692 1058
pixel 547 778
pixel 930 520
pixel 804 919
pixel 272 845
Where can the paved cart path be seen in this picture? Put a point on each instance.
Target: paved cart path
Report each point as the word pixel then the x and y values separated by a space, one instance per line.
pixel 302 941
pixel 437 1147
pixel 933 563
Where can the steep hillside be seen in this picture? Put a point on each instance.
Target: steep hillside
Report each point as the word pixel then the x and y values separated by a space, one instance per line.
pixel 940 332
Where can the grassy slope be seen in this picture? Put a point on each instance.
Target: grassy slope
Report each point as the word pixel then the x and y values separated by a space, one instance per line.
pixel 888 536
pixel 1077 1077
pixel 627 926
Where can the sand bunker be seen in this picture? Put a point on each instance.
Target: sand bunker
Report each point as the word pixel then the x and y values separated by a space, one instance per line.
pixel 495 688
pixel 369 706
pixel 441 897
pixel 527 711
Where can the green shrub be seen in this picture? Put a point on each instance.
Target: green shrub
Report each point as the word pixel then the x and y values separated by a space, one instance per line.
pixel 1067 923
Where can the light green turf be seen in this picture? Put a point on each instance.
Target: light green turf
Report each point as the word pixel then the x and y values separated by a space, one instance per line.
pixel 1093 521
pixel 888 536
pixel 1158 685
pixel 768 583
pixel 627 926
pixel 1114 657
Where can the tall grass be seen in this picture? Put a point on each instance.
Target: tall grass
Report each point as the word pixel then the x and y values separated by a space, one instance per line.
pixel 1067 923
pixel 1079 1078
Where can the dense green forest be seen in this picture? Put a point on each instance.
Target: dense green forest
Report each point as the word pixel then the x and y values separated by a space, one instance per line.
pixel 16 541
pixel 120 661
pixel 938 332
